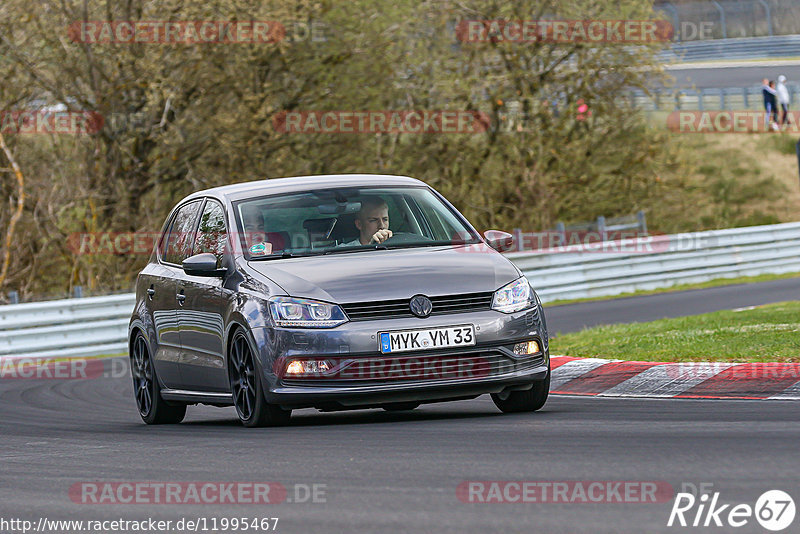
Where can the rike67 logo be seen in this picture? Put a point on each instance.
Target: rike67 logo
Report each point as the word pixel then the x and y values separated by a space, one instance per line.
pixel 773 510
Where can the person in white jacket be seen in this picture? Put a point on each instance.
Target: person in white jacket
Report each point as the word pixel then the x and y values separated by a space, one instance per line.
pixel 783 99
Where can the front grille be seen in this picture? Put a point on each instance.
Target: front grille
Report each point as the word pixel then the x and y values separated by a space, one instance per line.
pixel 396 309
pixel 419 368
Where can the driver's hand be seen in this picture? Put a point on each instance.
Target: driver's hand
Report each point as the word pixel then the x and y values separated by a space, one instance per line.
pixel 380 236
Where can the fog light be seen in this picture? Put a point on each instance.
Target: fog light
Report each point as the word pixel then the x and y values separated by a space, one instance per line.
pixel 303 367
pixel 527 347
pixel 294 368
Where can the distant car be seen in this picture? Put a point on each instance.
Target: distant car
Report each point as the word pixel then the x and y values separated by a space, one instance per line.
pixel 331 292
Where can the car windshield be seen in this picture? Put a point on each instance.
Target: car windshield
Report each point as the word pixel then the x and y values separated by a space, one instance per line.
pixel 333 221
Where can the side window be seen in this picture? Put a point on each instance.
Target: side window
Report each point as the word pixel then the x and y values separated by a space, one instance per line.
pixel 211 234
pixel 442 223
pixel 181 237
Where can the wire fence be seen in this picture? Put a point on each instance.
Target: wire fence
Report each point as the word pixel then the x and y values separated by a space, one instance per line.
pixel 725 19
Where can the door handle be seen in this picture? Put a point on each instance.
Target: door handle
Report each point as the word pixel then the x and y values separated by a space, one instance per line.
pixel 151 292
pixel 181 297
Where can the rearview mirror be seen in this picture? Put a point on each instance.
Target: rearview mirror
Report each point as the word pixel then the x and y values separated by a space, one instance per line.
pixel 204 264
pixel 499 240
pixel 339 208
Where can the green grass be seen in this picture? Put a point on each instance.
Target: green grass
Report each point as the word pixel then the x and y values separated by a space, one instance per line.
pixel 717 282
pixel 769 333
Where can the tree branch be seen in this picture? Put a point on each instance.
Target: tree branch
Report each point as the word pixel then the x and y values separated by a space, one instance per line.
pixel 12 223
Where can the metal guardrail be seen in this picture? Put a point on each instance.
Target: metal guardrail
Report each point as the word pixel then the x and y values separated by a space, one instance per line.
pixel 662 261
pixel 722 99
pixel 64 328
pixel 99 325
pixel 720 19
pixel 778 46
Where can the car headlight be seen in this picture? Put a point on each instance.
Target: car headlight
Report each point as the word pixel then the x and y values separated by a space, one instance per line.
pixel 305 313
pixel 513 297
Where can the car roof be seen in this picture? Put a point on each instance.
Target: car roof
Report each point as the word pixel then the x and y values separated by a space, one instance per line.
pixel 298 184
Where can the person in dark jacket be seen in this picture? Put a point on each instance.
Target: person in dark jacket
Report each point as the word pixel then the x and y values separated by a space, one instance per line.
pixel 770 103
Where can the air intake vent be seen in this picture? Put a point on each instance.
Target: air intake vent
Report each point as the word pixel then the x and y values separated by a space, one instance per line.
pixel 395 309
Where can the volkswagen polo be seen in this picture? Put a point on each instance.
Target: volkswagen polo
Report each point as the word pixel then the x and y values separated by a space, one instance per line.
pixel 331 292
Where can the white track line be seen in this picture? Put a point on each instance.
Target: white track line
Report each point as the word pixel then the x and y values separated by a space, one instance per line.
pixel 790 393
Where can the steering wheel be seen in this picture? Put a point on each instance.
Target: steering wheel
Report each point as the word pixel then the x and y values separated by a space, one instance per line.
pixel 399 238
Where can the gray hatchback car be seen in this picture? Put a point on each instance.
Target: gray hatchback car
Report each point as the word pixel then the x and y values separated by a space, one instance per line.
pixel 331 292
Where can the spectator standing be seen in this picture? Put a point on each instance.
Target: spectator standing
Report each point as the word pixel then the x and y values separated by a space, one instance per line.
pixel 770 103
pixel 783 99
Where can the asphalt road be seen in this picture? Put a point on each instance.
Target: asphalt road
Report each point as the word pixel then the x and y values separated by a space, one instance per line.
pixel 385 472
pixel 738 76
pixel 398 472
pixel 574 317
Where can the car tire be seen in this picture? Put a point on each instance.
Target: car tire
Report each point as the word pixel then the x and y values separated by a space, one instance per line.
pixel 529 400
pixel 400 406
pixel 147 390
pixel 247 390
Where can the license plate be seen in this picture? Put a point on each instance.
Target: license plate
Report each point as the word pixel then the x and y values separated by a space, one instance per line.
pixel 427 339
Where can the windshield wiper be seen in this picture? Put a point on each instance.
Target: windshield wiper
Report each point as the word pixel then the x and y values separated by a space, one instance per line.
pixel 430 244
pixel 360 248
pixel 287 254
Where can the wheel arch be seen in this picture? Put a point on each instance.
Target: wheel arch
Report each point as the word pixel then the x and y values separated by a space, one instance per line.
pixel 137 327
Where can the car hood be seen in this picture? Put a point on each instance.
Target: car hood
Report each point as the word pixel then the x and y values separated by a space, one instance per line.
pixel 390 274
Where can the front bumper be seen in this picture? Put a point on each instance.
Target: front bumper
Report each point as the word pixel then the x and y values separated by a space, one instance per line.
pixel 497 368
pixel 351 396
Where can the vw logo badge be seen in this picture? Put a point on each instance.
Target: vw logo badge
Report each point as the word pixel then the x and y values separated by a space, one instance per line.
pixel 421 306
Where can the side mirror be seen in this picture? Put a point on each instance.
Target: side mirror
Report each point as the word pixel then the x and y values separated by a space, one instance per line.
pixel 499 240
pixel 202 265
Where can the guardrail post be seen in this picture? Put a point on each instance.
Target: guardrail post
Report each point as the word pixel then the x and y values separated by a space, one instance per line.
pixel 601 227
pixel 746 95
pixel 13 297
pixel 676 18
pixel 518 240
pixel 77 292
pixel 722 21
pixel 640 216
pixel 769 15
pixel 562 232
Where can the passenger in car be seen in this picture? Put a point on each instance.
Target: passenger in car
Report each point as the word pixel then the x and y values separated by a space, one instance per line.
pixel 254 230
